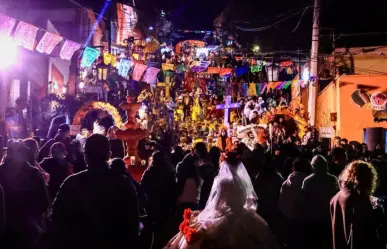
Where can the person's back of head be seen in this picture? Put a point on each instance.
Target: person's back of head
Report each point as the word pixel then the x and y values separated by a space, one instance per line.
pixel 118 166
pixel 97 150
pixel 214 155
pixel 301 165
pixel 319 164
pixel 158 159
pixel 339 154
pixel 17 152
pixel 268 165
pixel 359 176
pixel 201 150
pixel 32 144
pixel 58 150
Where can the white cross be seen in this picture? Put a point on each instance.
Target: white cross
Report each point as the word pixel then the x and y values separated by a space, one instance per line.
pixel 228 105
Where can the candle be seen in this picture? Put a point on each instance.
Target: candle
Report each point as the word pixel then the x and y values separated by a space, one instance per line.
pixel 132 160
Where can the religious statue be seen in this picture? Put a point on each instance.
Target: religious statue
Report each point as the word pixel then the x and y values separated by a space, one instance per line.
pixel 143 117
pixel 196 108
pixel 187 104
pixel 260 109
pixel 171 106
pixel 179 111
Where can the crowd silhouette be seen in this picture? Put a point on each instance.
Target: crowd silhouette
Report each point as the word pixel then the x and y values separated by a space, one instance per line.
pixel 60 194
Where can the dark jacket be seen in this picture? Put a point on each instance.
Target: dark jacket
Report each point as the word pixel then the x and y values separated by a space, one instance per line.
pixel 317 191
pixel 58 172
pixel 207 173
pixel 26 200
pixel 159 186
pixel 95 209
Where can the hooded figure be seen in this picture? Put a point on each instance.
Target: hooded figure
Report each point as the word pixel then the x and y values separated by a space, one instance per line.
pixel 318 189
pixel 316 193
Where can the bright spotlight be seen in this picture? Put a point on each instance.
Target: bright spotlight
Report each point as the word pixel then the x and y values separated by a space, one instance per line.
pixel 256 48
pixel 81 85
pixel 305 74
pixel 64 90
pixel 151 28
pixel 9 52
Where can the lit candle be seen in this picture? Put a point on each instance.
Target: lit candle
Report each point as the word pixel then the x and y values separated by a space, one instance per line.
pixel 132 160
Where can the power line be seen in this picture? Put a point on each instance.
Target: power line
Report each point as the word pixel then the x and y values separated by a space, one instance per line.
pixel 299 22
pixel 273 24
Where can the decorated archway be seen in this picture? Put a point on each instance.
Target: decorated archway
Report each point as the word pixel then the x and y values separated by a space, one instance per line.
pixel 97 105
pixel 287 112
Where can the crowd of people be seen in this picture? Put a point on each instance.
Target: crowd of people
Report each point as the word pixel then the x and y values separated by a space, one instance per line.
pixel 65 193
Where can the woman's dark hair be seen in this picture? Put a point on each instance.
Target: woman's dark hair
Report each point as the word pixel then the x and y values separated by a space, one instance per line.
pixel 214 155
pixel 233 158
pixel 201 150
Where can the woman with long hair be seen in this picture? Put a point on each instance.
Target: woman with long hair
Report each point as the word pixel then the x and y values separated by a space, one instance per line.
pixel 354 211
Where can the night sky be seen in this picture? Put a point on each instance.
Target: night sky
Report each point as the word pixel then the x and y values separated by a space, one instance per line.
pixel 344 16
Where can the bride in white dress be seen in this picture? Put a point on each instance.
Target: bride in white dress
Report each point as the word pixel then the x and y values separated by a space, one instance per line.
pixel 229 220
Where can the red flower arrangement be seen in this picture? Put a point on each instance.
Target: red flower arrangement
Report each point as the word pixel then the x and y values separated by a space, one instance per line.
pixel 191 235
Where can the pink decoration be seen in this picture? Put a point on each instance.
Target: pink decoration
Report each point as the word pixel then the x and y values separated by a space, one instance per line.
pixel 264 88
pixel 6 25
pixel 150 75
pixel 48 42
pixel 68 49
pixel 25 35
pixel 138 71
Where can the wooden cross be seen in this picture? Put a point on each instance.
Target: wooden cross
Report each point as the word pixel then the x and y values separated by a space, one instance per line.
pixel 228 105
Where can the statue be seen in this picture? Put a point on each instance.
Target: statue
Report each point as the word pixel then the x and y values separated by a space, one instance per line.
pixel 131 132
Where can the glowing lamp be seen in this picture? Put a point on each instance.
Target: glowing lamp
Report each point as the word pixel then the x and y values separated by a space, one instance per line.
pixel 151 28
pixel 64 90
pixel 81 85
pixel 132 160
pixel 305 74
pixel 9 52
pixel 256 48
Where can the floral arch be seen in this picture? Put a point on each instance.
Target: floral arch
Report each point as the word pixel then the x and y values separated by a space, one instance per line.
pixel 297 116
pixel 97 105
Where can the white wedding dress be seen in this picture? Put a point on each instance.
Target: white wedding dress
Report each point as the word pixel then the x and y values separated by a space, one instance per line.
pixel 229 220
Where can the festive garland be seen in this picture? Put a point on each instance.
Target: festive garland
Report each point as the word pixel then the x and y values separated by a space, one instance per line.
pixel 97 105
pixel 192 235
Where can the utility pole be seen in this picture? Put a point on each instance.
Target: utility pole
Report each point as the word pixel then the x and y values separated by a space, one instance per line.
pixel 334 53
pixel 314 63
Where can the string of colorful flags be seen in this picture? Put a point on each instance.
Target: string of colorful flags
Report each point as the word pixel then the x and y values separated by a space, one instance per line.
pixel 25 35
